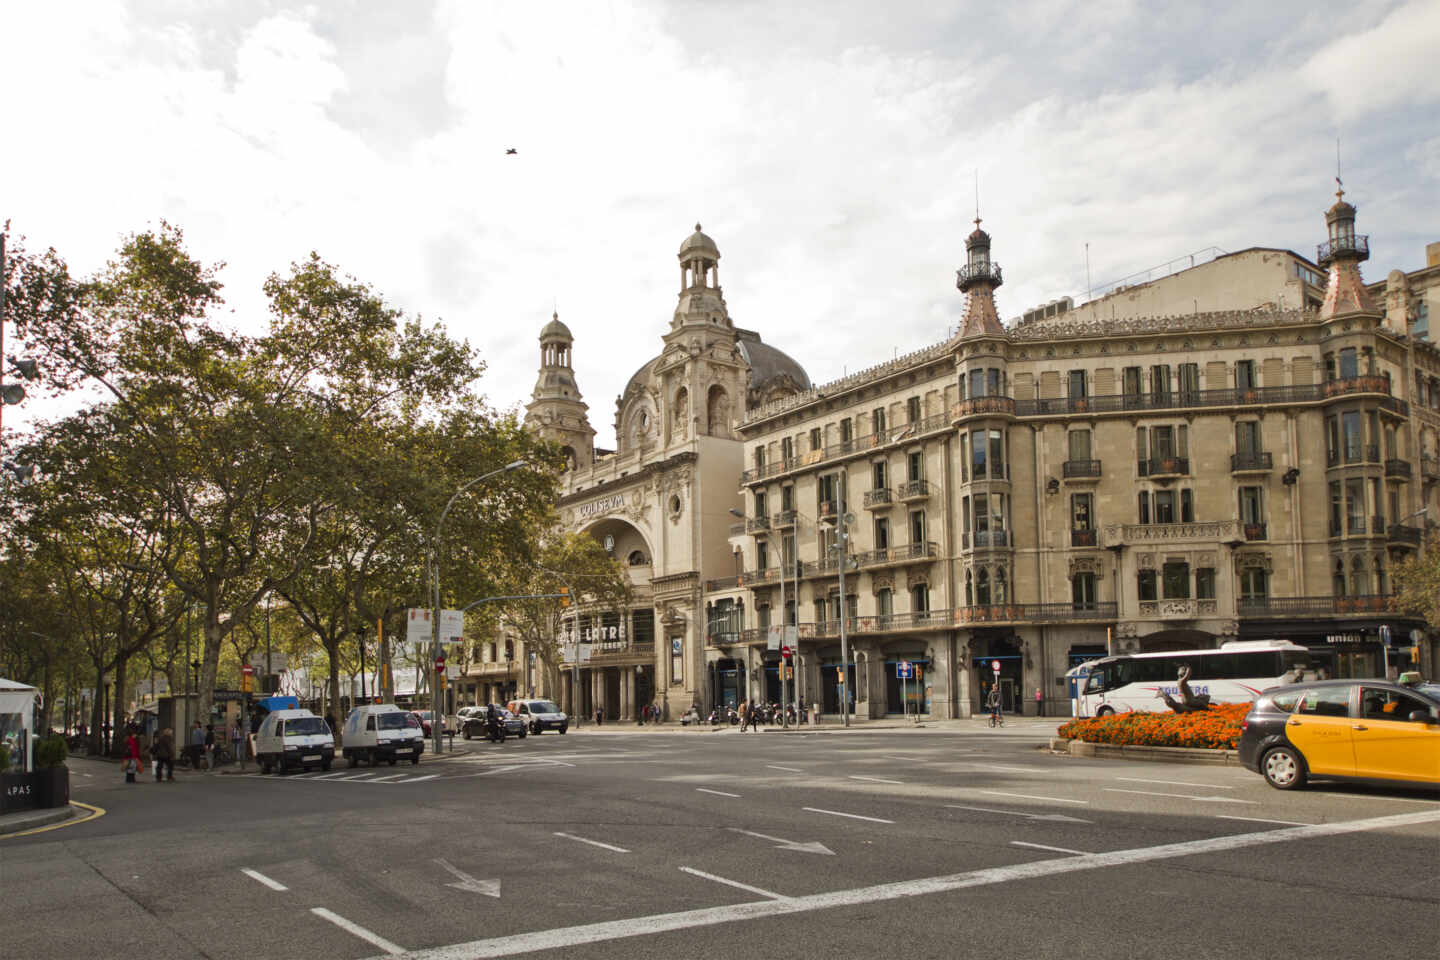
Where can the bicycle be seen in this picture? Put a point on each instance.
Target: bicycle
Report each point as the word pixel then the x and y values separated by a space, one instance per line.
pixel 997 719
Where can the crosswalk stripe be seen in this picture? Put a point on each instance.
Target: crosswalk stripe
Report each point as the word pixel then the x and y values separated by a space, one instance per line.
pixel 418 779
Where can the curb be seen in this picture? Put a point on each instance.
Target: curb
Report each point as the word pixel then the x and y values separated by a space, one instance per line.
pixel 1112 751
pixel 14 823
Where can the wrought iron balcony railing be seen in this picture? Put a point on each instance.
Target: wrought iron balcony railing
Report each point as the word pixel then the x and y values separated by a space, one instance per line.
pixel 1250 461
pixel 1081 469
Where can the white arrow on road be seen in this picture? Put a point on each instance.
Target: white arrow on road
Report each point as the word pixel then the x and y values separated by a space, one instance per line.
pixel 488 888
pixel 783 844
pixel 1054 817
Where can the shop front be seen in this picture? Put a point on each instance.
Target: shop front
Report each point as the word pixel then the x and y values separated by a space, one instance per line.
pixel 1343 650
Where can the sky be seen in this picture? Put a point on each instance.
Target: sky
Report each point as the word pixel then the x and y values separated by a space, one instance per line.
pixel 832 150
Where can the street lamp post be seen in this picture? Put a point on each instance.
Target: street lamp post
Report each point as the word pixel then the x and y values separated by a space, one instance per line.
pixel 841 535
pixel 436 724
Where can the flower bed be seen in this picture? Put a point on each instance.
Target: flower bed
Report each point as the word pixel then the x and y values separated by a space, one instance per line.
pixel 1216 729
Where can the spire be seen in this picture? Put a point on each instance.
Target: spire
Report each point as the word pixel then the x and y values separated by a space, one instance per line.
pixel 556 410
pixel 978 280
pixel 701 299
pixel 1342 255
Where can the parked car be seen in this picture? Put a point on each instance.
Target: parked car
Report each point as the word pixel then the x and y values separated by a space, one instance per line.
pixel 375 732
pixel 1353 729
pixel 474 723
pixel 539 715
pixel 424 716
pixel 294 740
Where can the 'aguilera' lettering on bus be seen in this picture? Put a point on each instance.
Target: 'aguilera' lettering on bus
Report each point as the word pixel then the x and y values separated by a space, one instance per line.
pixel 604 505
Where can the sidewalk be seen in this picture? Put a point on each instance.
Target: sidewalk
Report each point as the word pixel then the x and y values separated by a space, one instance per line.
pixel 30 819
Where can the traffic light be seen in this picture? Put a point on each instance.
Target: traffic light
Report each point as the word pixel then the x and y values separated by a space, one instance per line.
pixel 564 596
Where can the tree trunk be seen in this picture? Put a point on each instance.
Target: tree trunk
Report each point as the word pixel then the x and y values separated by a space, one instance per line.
pixel 209 662
pixel 117 709
pixel 97 713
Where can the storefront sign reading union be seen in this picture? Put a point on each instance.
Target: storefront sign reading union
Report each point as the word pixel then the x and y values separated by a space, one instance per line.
pixel 604 505
pixel 1345 638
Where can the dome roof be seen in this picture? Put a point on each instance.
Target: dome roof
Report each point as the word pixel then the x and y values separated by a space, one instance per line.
pixel 977 237
pixel 555 329
pixel 699 244
pixel 769 366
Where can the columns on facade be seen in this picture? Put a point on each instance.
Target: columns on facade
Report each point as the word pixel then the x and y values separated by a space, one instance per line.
pixel 597 689
pixel 627 693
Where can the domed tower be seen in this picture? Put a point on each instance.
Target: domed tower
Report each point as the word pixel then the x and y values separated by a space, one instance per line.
pixel 702 303
pixel 978 280
pixel 555 411
pixel 1342 255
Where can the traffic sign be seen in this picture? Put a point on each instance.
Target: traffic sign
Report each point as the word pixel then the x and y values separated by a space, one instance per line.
pixel 417 625
pixel 440 663
pixel 995 665
pixel 452 624
pixel 904 670
pixel 785 652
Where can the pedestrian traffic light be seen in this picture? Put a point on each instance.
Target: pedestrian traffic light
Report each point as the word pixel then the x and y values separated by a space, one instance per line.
pixel 564 596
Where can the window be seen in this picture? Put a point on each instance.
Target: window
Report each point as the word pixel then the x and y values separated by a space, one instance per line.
pixel 1244 374
pixel 759 459
pixel 1349 363
pixel 1132 381
pixel 787 552
pixel 882 533
pixel 1254 583
pixel 912 409
pixel 1353 435
pixel 1143 514
pixel 1145 585
pixel 1390 445
pixel 878 475
pixel 915 465
pixel 1338 578
pixel 762 555
pixel 1164 506
pixel 997 454
pixel 982 587
pixel 1080 511
pixel 1079 441
pixel 759 505
pixel 1160 384
pixel 787 449
pixel 884 602
pixel 1327 702
pixel 1162 442
pixel 847 430
pixel 877 420
pixel 1077 385
pixel 1330 369
pixel 1381 704
pixel 1187 506
pixel 787 498
pixel 1359 577
pixel 1250 510
pixel 1082 591
pixel 1205 583
pixel 977 383
pixel 1336 509
pixel 815 442
pixel 978 449
pixel 1176 580
pixel 1142 448
pixel 762 615
pixel 1355 505
pixel 994 382
pixel 1002 593
pixel 969 589
pixel 1247 437
pixel 920 598
pixel 917 527
pixel 1189 382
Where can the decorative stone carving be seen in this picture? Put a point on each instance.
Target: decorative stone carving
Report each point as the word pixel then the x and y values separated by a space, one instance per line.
pixel 1253 561
pixel 882 582
pixel 1145 561
pixel 1085 565
pixel 917 577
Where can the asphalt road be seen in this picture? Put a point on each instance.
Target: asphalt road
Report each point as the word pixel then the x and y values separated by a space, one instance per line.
pixel 905 843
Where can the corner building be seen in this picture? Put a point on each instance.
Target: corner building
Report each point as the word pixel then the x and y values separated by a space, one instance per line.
pixel 1033 495
pixel 661 501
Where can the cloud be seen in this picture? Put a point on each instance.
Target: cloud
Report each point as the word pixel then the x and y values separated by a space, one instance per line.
pixel 1391 63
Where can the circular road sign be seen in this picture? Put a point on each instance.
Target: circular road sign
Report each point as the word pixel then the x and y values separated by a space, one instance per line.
pixel 785 651
pixel 995 665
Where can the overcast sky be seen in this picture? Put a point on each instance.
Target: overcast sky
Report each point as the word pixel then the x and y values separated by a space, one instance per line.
pixel 829 147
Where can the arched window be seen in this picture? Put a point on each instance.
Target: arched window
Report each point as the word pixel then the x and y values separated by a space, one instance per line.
pixel 1339 584
pixel 1001 595
pixel 1359 577
pixel 982 587
pixel 969 590
pixel 636 558
pixel 1380 585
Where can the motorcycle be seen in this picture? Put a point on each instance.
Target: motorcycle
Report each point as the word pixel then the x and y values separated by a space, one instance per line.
pixel 495 730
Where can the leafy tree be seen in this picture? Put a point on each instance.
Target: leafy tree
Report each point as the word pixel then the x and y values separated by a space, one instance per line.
pixel 1417 579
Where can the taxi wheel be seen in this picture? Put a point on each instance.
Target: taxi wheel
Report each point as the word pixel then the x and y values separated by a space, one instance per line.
pixel 1284 768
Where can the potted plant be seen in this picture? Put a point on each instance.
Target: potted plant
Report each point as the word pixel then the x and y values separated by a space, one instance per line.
pixel 52 776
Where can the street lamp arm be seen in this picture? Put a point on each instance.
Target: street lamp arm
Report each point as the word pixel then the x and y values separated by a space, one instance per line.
pixel 456 495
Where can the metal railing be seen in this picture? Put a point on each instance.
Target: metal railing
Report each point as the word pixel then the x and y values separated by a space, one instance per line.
pixel 1404 533
pixel 1430 468
pixel 983 406
pixel 855 445
pixel 984 538
pixel 974 272
pixel 1073 469
pixel 1084 538
pixel 905 554
pixel 757 524
pixel 879 497
pixel 785 518
pixel 1163 466
pixel 1247 460
pixel 1358 244
pixel 913 490
pixel 1396 467
pixel 1254 531
pixel 1224 397
pixel 1368 604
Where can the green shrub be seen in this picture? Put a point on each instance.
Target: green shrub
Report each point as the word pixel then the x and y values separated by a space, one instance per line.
pixel 50 752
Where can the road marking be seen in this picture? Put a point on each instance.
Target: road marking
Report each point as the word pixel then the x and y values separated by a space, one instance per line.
pixel 1057 817
pixel 1041 846
pixel 1030 796
pixel 887 756
pixel 1288 823
pixel 1177 783
pixel 257 875
pixel 773 766
pixel 877 780
pixel 852 816
pixel 358 930
pixel 390 779
pixel 95 814
pixel 563 937
pixel 1182 796
pixel 357 776
pixel 734 883
pixel 1007 769
pixel 593 843
pixel 328 776
pixel 489 888
pixel 787 844
pixel 718 793
pixel 418 779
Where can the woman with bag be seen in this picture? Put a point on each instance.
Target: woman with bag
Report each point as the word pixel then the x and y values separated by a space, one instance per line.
pixel 132 756
pixel 164 751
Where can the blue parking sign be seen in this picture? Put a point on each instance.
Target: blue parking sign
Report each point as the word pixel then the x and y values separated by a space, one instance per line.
pixel 904 670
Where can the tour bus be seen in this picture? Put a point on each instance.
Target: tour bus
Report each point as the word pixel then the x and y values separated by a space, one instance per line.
pixel 1235 673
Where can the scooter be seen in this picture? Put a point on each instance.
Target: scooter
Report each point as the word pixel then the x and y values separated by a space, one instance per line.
pixel 495 731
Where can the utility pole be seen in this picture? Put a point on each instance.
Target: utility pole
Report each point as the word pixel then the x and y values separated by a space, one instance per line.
pixel 841 536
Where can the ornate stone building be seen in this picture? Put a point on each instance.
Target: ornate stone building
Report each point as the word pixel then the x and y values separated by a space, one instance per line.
pixel 1080 482
pixel 660 502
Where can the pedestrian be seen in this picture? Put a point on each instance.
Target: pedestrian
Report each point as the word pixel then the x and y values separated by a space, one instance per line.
pixel 209 746
pixel 599 716
pixel 164 754
pixel 641 714
pixel 237 742
pixel 196 745
pixel 1039 702
pixel 132 754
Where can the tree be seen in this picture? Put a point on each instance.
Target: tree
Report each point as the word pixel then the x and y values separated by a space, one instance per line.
pixel 1417 579
pixel 578 563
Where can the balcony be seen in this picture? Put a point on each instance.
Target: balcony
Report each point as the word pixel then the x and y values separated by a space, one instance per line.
pixel 855 446
pixel 1080 470
pixel 1368 605
pixel 737 529
pixel 897 555
pixel 1353 453
pixel 1429 468
pixel 829 510
pixel 974 614
pixel 1221 531
pixel 972 273
pixel 722 638
pixel 1171 400
pixel 1397 469
pixel 1369 383
pixel 1084 538
pixel 1251 461
pixel 1254 531
pixel 785 518
pixel 1357 245
pixel 757 524
pixel 1063 612
pixel 984 539
pixel 1403 533
pixel 1177 609
pixel 985 406
pixel 722 583
pixel 878 499
pixel 1157 467
pixel 913 490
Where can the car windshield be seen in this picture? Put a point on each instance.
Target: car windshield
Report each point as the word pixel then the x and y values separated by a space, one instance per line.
pixel 397 721
pixel 305 726
pixel 1431 690
pixel 543 706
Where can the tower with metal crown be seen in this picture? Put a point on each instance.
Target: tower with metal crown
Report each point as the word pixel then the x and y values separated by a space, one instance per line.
pixel 555 411
pixel 978 280
pixel 1342 255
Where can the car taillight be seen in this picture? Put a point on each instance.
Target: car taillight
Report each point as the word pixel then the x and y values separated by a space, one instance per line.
pixel 1244 725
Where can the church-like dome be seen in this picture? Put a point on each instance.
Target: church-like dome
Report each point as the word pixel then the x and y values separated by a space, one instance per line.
pixel 771 370
pixel 698 244
pixel 555 329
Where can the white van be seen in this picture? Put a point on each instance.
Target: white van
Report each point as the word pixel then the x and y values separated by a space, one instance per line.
pixel 376 732
pixel 294 740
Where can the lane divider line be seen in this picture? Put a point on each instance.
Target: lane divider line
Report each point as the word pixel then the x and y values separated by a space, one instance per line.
pixel 1030 796
pixel 561 938
pixel 852 816
pixel 1176 783
pixel 1182 796
pixel 593 843
pixel 733 883
pixel 775 766
pixel 359 931
pixel 1041 846
pixel 1288 823
pixel 257 875
pixel 877 780
pixel 718 793
pixel 418 779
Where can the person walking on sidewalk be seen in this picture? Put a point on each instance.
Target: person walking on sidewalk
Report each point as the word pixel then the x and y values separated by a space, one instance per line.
pixel 132 755
pixel 237 742
pixel 209 746
pixel 197 744
pixel 1039 703
pixel 164 751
